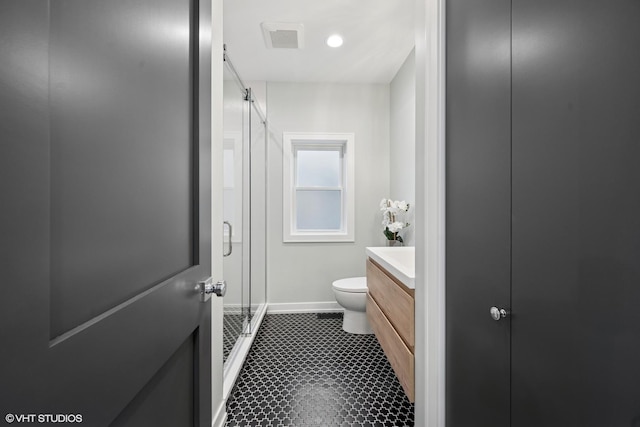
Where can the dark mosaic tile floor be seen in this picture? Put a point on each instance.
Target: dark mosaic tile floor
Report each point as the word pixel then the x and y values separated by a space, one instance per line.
pixel 232 328
pixel 303 370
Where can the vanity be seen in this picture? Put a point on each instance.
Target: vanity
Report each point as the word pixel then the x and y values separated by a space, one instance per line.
pixel 390 308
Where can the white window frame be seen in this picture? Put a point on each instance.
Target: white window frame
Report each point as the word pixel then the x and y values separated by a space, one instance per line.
pixel 291 141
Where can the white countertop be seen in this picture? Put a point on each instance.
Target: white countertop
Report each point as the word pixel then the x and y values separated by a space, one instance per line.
pixel 397 260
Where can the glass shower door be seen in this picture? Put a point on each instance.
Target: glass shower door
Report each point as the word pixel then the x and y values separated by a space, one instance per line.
pixel 258 208
pixel 244 216
pixel 235 263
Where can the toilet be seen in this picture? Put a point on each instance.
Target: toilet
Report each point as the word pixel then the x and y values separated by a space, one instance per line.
pixel 351 294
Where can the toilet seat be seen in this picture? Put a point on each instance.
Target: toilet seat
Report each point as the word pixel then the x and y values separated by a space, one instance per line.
pixel 352 285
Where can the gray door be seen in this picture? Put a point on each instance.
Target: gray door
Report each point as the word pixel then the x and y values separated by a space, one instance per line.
pixel 543 213
pixel 478 205
pixel 576 214
pixel 105 214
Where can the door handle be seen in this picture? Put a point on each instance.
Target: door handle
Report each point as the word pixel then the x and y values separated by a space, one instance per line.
pixel 230 247
pixel 498 313
pixel 207 287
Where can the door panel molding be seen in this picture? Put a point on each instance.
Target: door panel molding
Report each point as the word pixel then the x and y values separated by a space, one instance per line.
pixel 139 220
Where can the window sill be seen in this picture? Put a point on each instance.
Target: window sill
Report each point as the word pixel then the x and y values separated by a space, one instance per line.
pixel 319 238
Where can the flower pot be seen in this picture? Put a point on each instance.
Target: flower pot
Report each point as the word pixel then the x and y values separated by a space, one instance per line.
pixel 394 243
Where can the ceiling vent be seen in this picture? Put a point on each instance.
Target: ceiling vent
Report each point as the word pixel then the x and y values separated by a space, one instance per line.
pixel 280 35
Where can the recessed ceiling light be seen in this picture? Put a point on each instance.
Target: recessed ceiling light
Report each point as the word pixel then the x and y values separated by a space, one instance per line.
pixel 335 40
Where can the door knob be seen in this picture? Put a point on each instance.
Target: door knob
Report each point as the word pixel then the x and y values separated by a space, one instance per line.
pixel 498 313
pixel 207 287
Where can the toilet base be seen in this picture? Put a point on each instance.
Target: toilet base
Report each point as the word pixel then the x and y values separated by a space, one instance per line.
pixel 355 322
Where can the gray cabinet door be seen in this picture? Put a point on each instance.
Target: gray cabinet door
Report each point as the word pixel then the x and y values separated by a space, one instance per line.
pixel 478 209
pixel 543 213
pixel 105 218
pixel 576 213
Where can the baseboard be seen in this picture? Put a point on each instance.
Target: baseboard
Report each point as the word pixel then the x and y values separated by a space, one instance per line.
pixel 304 307
pixel 220 418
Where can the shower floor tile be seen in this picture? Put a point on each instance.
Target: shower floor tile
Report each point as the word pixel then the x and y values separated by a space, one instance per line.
pixel 232 329
pixel 304 370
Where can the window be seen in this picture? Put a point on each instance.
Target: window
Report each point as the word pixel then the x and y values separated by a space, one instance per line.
pixel 318 191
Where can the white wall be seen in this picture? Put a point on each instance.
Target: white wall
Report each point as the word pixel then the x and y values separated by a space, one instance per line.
pixel 303 272
pixel 403 140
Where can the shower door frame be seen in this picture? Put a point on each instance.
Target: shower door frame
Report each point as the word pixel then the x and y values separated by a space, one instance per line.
pixel 251 318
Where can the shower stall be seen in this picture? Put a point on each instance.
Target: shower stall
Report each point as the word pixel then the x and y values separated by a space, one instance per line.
pixel 245 180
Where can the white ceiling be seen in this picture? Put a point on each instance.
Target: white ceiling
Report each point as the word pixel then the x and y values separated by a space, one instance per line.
pixel 378 36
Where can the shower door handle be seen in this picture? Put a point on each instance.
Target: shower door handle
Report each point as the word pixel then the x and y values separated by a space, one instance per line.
pixel 230 246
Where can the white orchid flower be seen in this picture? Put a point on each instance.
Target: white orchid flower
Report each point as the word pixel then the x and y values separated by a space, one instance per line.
pixel 392 210
pixel 396 226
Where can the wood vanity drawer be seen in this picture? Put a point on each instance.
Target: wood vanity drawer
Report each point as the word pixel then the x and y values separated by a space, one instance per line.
pixel 399 356
pixel 395 301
